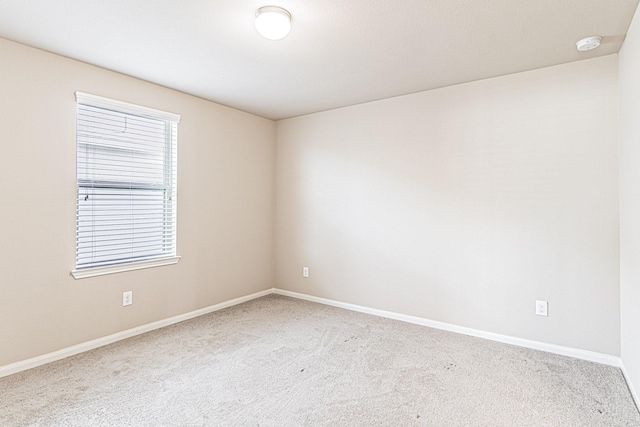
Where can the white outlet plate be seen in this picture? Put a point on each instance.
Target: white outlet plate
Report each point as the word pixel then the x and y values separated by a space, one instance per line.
pixel 542 308
pixel 305 271
pixel 127 298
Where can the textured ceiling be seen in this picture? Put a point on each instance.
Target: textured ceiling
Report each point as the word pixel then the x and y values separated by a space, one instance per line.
pixel 338 53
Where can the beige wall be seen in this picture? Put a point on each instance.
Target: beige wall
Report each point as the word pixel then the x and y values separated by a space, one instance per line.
pixel 630 203
pixel 225 208
pixel 463 205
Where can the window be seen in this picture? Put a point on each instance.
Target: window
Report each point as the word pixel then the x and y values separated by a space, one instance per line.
pixel 125 186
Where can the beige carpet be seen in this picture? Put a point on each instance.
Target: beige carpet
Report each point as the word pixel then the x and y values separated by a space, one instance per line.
pixel 277 361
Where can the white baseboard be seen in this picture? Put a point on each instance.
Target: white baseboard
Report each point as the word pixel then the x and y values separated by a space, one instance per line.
pixel 591 356
pixel 99 342
pixel 634 394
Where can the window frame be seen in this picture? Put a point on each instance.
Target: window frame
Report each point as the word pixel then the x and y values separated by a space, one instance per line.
pixel 89 100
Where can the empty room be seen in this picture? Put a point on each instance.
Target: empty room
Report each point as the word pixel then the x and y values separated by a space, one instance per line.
pixel 332 213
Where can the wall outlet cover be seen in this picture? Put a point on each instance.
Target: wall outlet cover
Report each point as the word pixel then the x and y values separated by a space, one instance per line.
pixel 127 298
pixel 542 308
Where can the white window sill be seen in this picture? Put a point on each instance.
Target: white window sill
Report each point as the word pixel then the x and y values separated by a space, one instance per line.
pixel 111 269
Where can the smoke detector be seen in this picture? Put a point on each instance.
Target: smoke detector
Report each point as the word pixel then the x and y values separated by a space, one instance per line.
pixel 588 43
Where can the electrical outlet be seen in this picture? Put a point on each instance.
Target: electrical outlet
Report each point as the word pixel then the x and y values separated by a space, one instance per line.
pixel 305 271
pixel 542 308
pixel 127 298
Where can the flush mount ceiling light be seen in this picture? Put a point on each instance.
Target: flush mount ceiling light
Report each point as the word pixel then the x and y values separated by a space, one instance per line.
pixel 588 43
pixel 273 22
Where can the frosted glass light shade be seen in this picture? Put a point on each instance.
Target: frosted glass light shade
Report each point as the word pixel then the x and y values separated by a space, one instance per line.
pixel 273 22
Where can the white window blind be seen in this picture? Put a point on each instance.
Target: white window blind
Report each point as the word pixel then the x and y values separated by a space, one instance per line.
pixel 126 183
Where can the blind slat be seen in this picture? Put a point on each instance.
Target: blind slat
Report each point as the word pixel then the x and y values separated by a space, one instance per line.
pixel 126 183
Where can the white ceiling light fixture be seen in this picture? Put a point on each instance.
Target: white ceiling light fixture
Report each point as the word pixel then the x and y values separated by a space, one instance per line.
pixel 588 43
pixel 273 22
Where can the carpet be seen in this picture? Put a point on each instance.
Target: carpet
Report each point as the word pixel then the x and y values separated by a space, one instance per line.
pixel 279 361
